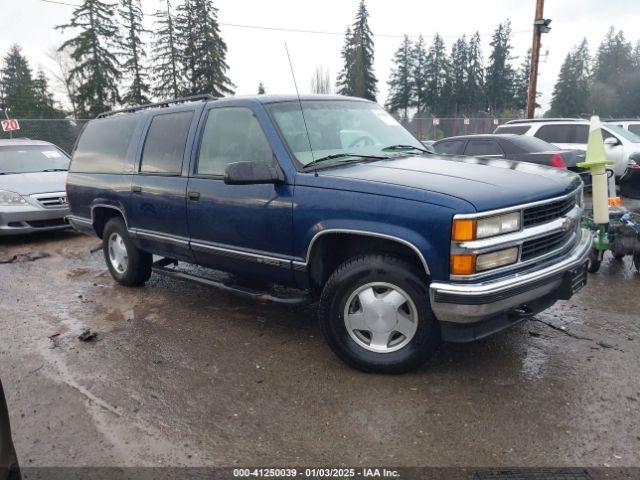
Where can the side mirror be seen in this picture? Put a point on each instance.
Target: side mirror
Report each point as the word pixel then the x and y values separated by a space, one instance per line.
pixel 612 142
pixel 252 173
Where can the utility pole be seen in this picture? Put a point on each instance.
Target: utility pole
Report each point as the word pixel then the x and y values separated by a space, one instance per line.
pixel 540 26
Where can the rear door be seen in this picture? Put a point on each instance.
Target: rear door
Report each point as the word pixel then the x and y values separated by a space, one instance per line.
pixel 238 228
pixel 158 199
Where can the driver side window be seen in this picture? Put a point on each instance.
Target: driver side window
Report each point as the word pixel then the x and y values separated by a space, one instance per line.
pixel 231 134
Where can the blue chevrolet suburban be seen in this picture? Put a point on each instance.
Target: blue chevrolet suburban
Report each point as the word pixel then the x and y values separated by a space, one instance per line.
pixel 332 197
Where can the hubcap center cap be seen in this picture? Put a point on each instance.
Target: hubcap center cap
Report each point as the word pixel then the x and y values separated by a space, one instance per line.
pixel 380 317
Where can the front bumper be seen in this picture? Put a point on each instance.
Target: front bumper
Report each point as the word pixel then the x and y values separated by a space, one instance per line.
pixel 466 304
pixel 28 219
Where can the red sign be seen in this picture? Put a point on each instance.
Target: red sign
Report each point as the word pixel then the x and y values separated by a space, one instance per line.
pixel 10 125
pixel 436 121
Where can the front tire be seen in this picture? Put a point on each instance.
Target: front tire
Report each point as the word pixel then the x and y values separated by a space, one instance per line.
pixel 128 265
pixel 594 261
pixel 375 315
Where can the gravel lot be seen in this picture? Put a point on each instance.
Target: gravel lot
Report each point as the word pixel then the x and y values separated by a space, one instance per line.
pixel 185 375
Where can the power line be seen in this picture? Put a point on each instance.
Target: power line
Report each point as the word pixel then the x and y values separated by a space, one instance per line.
pixel 297 30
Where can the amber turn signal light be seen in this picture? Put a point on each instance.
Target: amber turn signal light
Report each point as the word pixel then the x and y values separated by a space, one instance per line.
pixel 463 264
pixel 463 230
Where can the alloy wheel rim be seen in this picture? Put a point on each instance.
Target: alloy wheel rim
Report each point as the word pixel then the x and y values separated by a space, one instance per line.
pixel 118 255
pixel 380 317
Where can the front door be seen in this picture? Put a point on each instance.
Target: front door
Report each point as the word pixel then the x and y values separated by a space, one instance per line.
pixel 158 199
pixel 239 228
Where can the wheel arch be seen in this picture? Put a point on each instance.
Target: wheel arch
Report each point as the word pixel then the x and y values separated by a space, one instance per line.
pixel 101 213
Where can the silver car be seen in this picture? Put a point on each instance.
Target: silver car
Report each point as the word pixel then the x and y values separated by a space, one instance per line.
pixel 32 187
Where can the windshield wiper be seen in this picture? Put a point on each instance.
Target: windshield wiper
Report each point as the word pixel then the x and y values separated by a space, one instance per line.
pixel 391 148
pixel 344 155
pixel 55 170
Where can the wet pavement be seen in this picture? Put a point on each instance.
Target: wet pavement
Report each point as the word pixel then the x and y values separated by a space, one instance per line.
pixel 186 375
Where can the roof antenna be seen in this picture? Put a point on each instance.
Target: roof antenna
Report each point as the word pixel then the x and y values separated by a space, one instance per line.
pixel 306 129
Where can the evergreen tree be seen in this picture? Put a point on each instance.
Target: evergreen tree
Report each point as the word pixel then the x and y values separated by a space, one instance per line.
pixel 459 62
pixel 43 98
pixel 613 59
pixel 475 87
pixel 499 79
pixel 418 74
pixel 345 79
pixel 18 89
pixel 186 33
pixel 401 91
pixel 437 95
pixel 166 56
pixel 261 90
pixel 93 50
pixel 134 53
pixel 205 51
pixel 357 77
pixel 521 83
pixel 572 89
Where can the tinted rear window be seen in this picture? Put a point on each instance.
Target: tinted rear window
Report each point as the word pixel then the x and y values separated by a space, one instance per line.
pixel 634 129
pixel 563 133
pixel 165 142
pixel 103 145
pixel 526 144
pixel 515 129
pixel 483 147
pixel 449 147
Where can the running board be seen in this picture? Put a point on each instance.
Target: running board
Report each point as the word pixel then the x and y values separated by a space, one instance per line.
pixel 160 267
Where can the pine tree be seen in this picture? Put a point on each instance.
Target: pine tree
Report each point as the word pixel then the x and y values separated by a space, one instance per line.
pixel 613 59
pixel 521 83
pixel 572 89
pixel 18 89
pixel 499 79
pixel 345 79
pixel 43 98
pixel 418 75
pixel 261 90
pixel 357 77
pixel 437 78
pixel 204 51
pixel 166 56
pixel 134 53
pixel 459 62
pixel 401 91
pixel 475 86
pixel 93 49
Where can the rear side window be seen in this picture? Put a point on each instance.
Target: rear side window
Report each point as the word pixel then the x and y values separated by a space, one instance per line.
pixel 514 129
pixel 103 145
pixel 483 147
pixel 634 129
pixel 450 147
pixel 527 144
pixel 563 133
pixel 231 134
pixel 164 146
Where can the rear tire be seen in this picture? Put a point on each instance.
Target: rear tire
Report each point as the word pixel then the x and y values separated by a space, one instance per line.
pixel 389 300
pixel 128 265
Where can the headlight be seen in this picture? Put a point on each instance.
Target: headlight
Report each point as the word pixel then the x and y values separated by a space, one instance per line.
pixel 487 261
pixel 11 198
pixel 470 264
pixel 472 229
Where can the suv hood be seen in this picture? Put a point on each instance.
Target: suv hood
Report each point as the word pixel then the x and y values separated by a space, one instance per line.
pixel 36 182
pixel 485 183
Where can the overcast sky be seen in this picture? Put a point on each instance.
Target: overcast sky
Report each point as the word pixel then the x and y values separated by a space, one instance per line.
pixel 256 55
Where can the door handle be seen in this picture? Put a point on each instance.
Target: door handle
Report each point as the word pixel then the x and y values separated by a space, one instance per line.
pixel 194 196
pixel 136 189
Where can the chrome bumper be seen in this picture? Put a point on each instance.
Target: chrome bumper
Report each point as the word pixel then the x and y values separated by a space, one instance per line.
pixel 467 303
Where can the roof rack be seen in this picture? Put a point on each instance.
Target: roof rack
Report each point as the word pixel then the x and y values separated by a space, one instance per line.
pixel 162 104
pixel 539 120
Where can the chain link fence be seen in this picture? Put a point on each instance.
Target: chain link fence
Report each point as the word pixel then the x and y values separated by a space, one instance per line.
pixel 435 128
pixel 61 132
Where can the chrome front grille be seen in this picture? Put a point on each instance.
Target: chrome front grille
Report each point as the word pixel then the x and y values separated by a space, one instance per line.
pixel 52 200
pixel 549 211
pixel 544 245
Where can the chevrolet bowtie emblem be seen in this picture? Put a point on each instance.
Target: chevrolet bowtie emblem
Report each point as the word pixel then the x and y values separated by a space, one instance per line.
pixel 567 224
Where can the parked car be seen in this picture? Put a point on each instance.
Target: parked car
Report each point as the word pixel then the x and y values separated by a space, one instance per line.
pixel 400 249
pixel 9 469
pixel 512 147
pixel 572 134
pixel 633 125
pixel 32 187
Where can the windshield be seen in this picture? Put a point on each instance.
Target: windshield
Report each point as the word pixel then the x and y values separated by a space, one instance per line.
pixel 626 134
pixel 340 127
pixel 31 158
